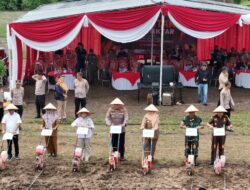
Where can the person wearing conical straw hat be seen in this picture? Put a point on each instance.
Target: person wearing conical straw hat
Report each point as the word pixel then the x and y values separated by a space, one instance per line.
pixel 50 121
pixel 11 122
pixel 84 120
pixel 151 120
pixel 117 114
pixel 219 120
pixel 191 121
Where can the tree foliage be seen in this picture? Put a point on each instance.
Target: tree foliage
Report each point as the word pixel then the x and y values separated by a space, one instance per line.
pixel 2 69
pixel 12 5
pixel 32 4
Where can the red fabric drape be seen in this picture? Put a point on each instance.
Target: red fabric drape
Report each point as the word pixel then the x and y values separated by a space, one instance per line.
pixel 201 20
pixel 33 55
pixel 90 38
pixel 235 37
pixel 19 58
pixel 28 62
pixel 74 43
pixel 132 77
pixel 47 30
pixel 124 19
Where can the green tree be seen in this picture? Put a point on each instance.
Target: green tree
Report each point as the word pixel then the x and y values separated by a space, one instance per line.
pixel 8 5
pixel 11 5
pixel 19 4
pixel 237 1
pixel 32 4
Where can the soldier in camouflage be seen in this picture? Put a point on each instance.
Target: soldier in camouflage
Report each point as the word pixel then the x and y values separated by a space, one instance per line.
pixel 191 121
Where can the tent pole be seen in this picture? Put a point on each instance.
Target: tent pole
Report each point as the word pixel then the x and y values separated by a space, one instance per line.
pixel 10 68
pixel 161 57
pixel 152 46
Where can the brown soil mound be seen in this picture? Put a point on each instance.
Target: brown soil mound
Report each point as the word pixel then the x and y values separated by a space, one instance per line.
pixel 95 175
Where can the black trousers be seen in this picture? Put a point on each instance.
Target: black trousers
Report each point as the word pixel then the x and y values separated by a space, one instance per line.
pixel 20 110
pixel 92 73
pixel 121 145
pixel 217 143
pixel 1 113
pixel 79 104
pixel 40 103
pixel 16 145
pixel 228 113
pixel 219 98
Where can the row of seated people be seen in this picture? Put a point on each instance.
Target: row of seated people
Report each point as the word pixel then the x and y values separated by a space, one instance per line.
pixel 233 59
pixel 122 64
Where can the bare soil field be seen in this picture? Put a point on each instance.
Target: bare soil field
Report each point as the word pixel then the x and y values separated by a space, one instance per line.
pixel 168 171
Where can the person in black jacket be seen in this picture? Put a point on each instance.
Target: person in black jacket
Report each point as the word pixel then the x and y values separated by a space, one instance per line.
pixel 81 56
pixel 202 78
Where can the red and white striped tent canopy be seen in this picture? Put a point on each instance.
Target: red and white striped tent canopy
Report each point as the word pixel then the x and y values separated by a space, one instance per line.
pixel 52 27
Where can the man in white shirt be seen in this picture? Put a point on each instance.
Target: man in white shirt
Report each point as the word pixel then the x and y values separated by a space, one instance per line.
pixel 81 86
pixel 40 93
pixel 10 124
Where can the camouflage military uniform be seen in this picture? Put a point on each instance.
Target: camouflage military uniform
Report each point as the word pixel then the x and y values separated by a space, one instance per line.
pixel 192 141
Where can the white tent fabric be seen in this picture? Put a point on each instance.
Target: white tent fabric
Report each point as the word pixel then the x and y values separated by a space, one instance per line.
pixel 126 36
pixel 53 45
pixel 123 36
pixel 13 67
pixel 194 33
pixel 211 6
pixel 245 19
pixel 41 46
pixel 63 9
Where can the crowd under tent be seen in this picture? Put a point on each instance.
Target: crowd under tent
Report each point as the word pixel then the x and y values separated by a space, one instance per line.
pixel 54 26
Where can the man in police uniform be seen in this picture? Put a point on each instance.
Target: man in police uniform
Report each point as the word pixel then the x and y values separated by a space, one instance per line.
pixel 191 121
pixel 219 120
pixel 117 114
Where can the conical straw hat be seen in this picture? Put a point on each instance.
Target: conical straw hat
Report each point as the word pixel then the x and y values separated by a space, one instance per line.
pixel 191 108
pixel 11 107
pixel 151 107
pixel 117 101
pixel 49 106
pixel 219 109
pixel 83 110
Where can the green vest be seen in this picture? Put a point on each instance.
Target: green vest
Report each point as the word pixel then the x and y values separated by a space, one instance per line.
pixel 192 123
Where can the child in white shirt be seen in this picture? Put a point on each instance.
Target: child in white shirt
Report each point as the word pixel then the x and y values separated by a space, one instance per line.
pixel 84 120
pixel 11 122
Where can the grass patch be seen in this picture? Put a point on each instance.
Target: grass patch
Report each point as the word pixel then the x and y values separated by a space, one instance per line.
pixel 169 124
pixel 245 2
pixel 5 18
